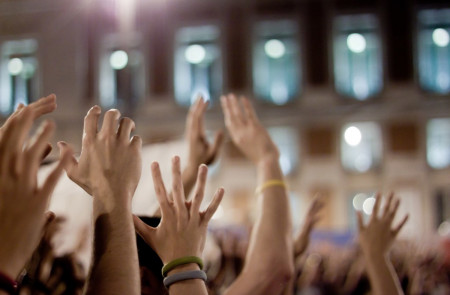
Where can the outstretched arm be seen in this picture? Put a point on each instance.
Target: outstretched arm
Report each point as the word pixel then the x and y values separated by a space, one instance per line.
pixel 109 169
pixel 182 231
pixel 22 201
pixel 201 151
pixel 375 240
pixel 269 260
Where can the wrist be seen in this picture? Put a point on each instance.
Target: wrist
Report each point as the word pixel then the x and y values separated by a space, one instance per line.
pixel 268 160
pixel 112 203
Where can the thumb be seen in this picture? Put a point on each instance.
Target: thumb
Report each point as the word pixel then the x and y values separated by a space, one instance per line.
pixel 145 231
pixel 214 150
pixel 72 163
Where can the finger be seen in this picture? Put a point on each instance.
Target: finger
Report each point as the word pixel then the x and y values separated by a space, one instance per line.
pixel 20 106
pixel 160 189
pixel 212 208
pixel 235 108
pixel 48 149
pixel 53 177
pixel 387 206
pixel 359 217
pixel 376 206
pixel 200 116
pixel 91 121
pixel 191 122
pixel 136 141
pixel 177 187
pixel 44 105
pixel 145 231
pixel 199 189
pixel 49 217
pixel 397 229
pixel 226 110
pixel 15 135
pixel 126 126
pixel 215 147
pixel 248 109
pixel 72 163
pixel 37 148
pixel 110 122
pixel 394 209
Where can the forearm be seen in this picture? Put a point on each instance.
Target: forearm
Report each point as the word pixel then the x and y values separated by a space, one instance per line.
pixel 382 275
pixel 115 262
pixel 270 248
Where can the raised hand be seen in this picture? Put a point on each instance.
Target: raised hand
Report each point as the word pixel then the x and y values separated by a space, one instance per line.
pixel 378 235
pixel 268 264
pixel 22 201
pixel 109 168
pixel 182 230
pixel 109 160
pixel 375 240
pixel 301 242
pixel 245 129
pixel 200 150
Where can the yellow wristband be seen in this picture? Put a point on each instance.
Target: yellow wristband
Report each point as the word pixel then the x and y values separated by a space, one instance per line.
pixel 269 183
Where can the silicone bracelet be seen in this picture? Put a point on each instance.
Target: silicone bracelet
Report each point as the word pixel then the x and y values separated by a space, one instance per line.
pixel 181 261
pixel 270 183
pixel 183 276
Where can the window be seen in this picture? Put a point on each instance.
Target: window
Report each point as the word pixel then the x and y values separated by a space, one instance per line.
pixel 438 143
pixel 434 50
pixel 357 56
pixel 122 74
pixel 276 65
pixel 18 74
pixel 286 139
pixel 198 64
pixel 361 147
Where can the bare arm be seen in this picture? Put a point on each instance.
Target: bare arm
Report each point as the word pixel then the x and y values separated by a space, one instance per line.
pixel 109 169
pixel 22 201
pixel 269 260
pixel 375 240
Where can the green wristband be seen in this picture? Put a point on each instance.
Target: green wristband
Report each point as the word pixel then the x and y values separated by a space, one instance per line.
pixel 181 261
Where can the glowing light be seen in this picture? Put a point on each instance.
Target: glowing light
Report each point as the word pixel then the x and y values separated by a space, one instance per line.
pixel 118 60
pixel 356 42
pixel 368 205
pixel 15 66
pixel 279 93
pixel 352 136
pixel 274 48
pixel 440 37
pixel 195 54
pixel 360 88
pixel 358 201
